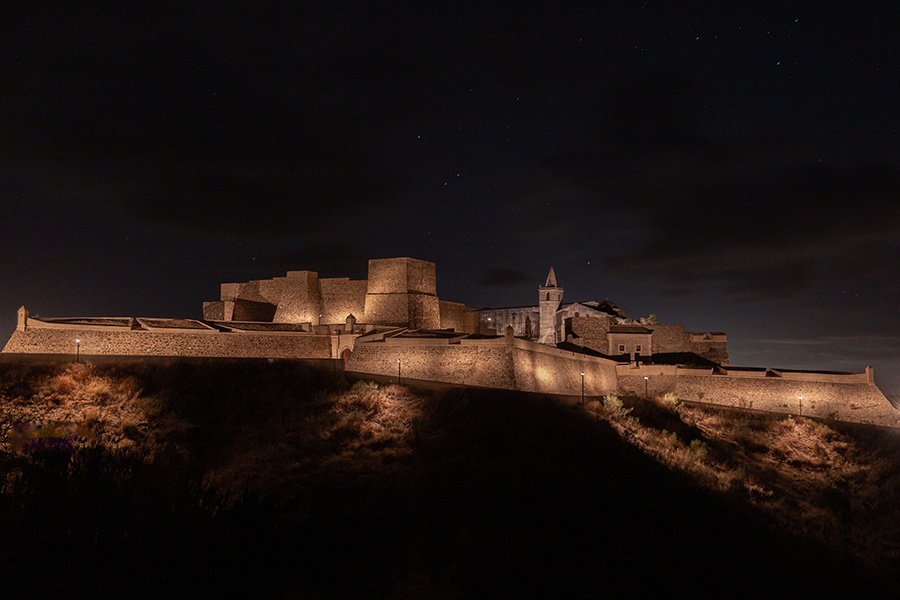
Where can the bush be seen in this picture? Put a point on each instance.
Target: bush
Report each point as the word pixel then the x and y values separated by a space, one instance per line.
pixel 700 449
pixel 63 384
pixel 612 407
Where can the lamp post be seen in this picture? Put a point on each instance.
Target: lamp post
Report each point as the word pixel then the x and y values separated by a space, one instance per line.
pixel 646 385
pixel 801 404
pixel 77 348
pixel 398 371
pixel 582 388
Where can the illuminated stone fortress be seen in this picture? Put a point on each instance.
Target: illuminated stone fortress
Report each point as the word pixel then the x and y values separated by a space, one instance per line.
pixel 393 325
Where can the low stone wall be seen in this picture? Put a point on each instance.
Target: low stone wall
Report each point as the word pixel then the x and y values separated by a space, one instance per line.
pixel 844 397
pixel 854 402
pixel 503 363
pixel 116 341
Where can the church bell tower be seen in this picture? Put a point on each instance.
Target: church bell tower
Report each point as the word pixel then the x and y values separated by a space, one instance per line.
pixel 549 300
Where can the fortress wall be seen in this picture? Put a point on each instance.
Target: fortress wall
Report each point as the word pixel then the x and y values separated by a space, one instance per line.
pixel 591 332
pixel 218 311
pixel 452 315
pixel 342 296
pixel 498 363
pixel 484 366
pixel 716 351
pixel 401 275
pixel 250 310
pixel 669 338
pixel 121 341
pixel 421 276
pixel 660 379
pixel 418 311
pixel 856 402
pixel 300 300
pixel 424 311
pixel 386 309
pixel 560 372
pixel 260 290
pixel 229 291
pixel 830 377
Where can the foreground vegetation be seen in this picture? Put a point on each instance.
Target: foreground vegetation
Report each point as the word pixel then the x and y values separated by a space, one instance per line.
pixel 278 479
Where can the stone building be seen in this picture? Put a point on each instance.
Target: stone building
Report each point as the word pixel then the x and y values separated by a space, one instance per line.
pixel 398 292
pixel 602 327
pixel 393 322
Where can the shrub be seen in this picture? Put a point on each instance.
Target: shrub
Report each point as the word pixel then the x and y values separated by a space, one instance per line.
pixel 612 407
pixel 99 390
pixel 700 449
pixel 63 384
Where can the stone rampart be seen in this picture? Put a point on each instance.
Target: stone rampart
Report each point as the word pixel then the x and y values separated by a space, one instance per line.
pixel 841 396
pixel 210 343
pixel 505 363
pixel 855 402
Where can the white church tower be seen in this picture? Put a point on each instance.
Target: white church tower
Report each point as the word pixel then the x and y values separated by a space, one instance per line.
pixel 550 300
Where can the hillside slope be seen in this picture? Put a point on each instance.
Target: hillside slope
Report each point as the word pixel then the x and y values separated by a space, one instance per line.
pixel 276 479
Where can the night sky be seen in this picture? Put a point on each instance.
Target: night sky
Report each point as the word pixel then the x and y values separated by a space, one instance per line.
pixel 732 170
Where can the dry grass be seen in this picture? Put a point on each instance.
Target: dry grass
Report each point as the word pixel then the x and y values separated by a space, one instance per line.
pixel 77 396
pixel 812 478
pixel 285 431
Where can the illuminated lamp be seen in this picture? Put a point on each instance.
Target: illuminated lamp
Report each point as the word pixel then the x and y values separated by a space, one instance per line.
pixel 582 387
pixel 77 348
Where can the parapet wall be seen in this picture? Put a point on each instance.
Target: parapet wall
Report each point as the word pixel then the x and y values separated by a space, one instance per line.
pixel 121 341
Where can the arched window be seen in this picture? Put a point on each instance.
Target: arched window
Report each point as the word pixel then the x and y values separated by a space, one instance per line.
pixel 547 297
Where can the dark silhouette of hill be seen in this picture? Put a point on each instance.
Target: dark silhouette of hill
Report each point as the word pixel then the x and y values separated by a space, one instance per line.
pixel 342 491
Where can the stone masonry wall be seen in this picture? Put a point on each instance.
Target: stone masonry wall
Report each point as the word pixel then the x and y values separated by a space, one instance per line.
pixel 300 300
pixel 467 365
pixel 669 338
pixel 401 275
pixel 854 402
pixel 517 365
pixel 168 343
pixel 342 296
pixel 250 310
pixel 452 315
pixel 713 350
pixel 590 332
pixel 402 291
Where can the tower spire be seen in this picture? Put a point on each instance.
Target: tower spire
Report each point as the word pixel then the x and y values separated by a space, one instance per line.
pixel 551 279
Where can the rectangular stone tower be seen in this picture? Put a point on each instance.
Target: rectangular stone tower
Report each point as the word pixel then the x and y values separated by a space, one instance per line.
pixel 402 292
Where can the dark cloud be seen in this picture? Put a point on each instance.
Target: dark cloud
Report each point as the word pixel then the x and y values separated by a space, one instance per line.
pixel 771 235
pixel 499 277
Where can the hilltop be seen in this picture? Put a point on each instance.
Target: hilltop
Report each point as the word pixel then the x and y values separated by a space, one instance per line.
pixel 280 479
